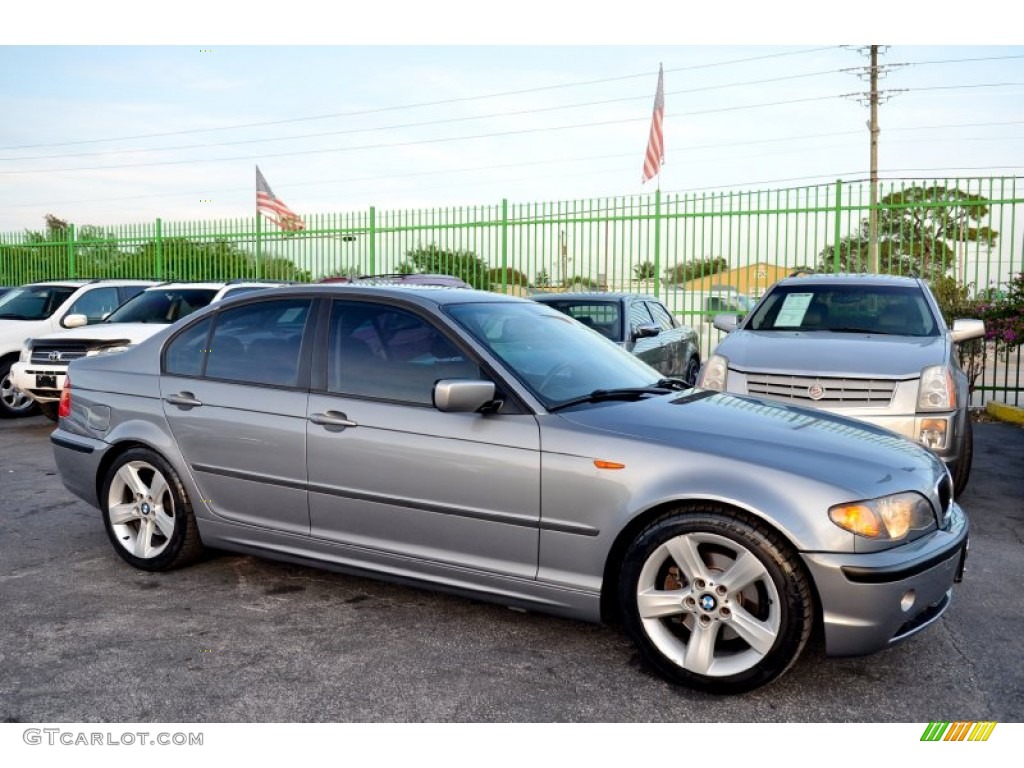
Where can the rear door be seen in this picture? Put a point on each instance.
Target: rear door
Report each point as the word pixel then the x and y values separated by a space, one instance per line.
pixel 235 391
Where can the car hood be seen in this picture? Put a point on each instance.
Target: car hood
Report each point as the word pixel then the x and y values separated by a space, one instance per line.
pixel 867 461
pixel 133 332
pixel 14 332
pixel 825 353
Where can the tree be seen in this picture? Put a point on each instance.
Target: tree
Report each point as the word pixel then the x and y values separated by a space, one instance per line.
pixel 465 265
pixel 918 231
pixel 542 279
pixel 644 270
pixel 696 268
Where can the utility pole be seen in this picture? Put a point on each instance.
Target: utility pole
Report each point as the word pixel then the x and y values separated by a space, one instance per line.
pixel 872 99
pixel 873 127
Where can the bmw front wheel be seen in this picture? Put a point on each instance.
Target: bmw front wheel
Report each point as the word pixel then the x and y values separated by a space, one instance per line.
pixel 715 601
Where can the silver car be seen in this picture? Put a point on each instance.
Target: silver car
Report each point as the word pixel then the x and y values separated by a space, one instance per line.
pixel 491 447
pixel 871 347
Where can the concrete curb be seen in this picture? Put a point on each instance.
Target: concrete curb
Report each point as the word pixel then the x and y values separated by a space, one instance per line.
pixel 1005 412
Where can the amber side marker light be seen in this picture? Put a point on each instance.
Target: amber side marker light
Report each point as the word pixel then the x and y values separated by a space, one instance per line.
pixel 64 409
pixel 602 464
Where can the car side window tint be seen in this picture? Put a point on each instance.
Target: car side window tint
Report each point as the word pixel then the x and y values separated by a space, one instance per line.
pixel 639 315
pixel 661 316
pixel 379 351
pixel 95 304
pixel 186 353
pixel 259 343
pixel 130 292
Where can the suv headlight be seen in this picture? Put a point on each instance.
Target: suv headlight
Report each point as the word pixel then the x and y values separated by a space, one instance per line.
pixel 897 517
pixel 715 374
pixel 26 351
pixel 106 350
pixel 936 392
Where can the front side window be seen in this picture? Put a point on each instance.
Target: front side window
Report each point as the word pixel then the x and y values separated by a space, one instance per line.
pixel 639 315
pixel 95 304
pixel 380 351
pixel 33 302
pixel 661 316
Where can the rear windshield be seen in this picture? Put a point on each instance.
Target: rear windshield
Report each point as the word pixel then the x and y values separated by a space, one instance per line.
pixel 162 305
pixel 603 316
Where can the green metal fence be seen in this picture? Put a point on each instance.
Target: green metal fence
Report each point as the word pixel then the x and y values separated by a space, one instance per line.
pixel 966 228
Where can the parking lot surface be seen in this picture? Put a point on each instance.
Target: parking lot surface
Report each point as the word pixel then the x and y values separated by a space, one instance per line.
pixel 87 638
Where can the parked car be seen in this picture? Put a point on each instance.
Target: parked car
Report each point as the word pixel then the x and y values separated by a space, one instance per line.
pixel 489 446
pixel 44 307
pixel 43 361
pixel 639 324
pixel 872 347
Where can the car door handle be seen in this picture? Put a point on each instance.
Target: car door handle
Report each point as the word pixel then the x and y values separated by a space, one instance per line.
pixel 332 419
pixel 184 399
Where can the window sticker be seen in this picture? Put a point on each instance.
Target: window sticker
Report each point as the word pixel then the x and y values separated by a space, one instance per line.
pixel 793 310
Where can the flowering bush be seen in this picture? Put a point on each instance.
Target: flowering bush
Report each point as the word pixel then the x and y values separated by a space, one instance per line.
pixel 1004 316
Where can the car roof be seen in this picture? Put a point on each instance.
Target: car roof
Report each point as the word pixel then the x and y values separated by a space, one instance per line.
pixel 420 294
pixel 849 278
pixel 80 283
pixel 592 296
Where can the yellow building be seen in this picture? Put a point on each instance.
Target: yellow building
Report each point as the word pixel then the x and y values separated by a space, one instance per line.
pixel 753 279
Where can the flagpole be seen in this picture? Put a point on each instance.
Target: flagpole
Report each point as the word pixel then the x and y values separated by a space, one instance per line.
pixel 257 244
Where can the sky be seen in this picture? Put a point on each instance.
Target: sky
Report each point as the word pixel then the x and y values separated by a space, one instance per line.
pixel 124 124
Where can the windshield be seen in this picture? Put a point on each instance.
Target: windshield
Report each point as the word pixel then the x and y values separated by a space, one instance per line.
pixel 602 316
pixel 555 358
pixel 33 302
pixel 162 305
pixel 900 310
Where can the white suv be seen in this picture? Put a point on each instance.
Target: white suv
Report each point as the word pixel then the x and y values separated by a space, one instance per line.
pixel 42 308
pixel 43 363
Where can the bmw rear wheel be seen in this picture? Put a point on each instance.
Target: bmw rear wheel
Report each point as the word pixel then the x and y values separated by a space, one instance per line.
pixel 715 601
pixel 147 514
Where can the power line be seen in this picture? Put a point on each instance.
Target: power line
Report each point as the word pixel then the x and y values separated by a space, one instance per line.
pixel 441 102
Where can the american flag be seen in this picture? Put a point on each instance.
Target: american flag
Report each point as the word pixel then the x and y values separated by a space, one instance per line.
pixel 656 143
pixel 273 208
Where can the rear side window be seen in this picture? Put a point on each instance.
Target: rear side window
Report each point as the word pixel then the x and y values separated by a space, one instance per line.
pixel 186 354
pixel 259 343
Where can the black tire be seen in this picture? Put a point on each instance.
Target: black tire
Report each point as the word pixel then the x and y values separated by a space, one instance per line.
pixel 962 471
pixel 13 404
pixel 144 532
pixel 49 410
pixel 694 639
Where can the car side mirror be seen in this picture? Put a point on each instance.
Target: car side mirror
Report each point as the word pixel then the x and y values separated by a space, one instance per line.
pixel 646 331
pixel 726 323
pixel 75 321
pixel 968 329
pixel 462 395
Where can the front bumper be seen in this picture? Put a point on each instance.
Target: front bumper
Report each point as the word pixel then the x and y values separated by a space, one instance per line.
pixel 42 383
pixel 871 601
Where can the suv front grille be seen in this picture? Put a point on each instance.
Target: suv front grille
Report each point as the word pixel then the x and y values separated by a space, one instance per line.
pixel 56 354
pixel 822 391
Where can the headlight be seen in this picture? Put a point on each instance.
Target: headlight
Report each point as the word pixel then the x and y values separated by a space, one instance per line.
pixel 106 350
pixel 715 374
pixel 26 351
pixel 936 391
pixel 896 517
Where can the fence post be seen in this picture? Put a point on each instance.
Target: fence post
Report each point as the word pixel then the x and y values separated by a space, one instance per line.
pixel 71 250
pixel 504 244
pixel 657 242
pixel 373 240
pixel 835 249
pixel 159 250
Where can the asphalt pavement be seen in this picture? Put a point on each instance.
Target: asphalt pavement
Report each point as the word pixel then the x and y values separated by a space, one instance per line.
pixel 236 639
